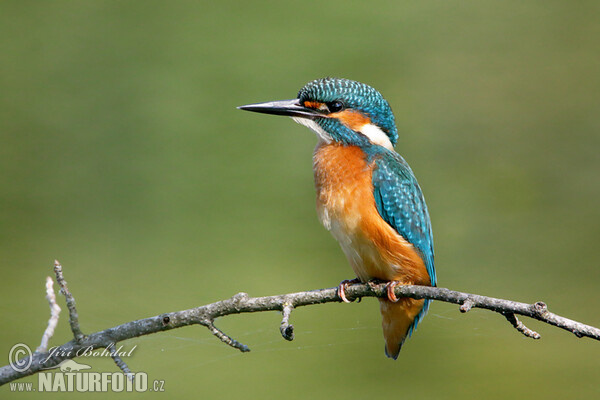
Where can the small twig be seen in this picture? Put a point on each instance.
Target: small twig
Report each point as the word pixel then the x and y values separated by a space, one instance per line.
pixel 286 329
pixel 518 325
pixel 73 316
pixel 467 305
pixel 121 364
pixel 223 337
pixel 54 313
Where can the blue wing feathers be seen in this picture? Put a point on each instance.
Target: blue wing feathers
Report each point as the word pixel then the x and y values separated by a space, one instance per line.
pixel 401 204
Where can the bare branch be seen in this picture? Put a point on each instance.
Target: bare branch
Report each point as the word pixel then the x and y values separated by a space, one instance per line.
pixel 518 325
pixel 73 316
pixel 242 303
pixel 223 337
pixel 121 364
pixel 54 313
pixel 287 329
pixel 466 305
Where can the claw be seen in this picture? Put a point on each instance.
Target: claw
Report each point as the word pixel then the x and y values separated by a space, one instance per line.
pixel 390 291
pixel 342 288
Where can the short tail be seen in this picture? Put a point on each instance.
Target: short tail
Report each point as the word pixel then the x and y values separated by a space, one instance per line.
pixel 399 321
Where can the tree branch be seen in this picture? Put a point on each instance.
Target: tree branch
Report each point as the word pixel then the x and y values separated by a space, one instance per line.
pixel 73 316
pixel 54 314
pixel 242 303
pixel 287 329
pixel 122 365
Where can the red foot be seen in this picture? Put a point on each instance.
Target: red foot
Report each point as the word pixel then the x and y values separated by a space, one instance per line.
pixel 390 291
pixel 343 286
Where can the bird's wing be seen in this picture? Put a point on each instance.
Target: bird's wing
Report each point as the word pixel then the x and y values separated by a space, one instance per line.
pixel 401 204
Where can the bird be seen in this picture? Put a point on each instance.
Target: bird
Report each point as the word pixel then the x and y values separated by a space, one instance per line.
pixel 367 195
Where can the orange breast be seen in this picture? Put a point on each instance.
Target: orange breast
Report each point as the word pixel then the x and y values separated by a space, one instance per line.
pixel 346 207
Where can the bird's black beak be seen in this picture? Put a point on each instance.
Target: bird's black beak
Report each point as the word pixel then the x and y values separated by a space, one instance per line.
pixel 290 108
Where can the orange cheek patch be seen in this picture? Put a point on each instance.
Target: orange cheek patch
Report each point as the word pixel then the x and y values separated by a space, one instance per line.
pixel 313 104
pixel 352 119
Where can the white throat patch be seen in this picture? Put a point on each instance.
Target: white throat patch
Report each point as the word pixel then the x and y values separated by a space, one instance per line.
pixel 376 136
pixel 322 135
pixel 371 131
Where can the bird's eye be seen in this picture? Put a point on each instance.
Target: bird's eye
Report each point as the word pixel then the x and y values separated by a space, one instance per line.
pixel 335 106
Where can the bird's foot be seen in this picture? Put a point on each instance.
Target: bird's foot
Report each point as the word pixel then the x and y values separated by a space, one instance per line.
pixel 390 290
pixel 343 286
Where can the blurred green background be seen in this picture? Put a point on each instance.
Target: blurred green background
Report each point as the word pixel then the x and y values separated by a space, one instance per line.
pixel 123 156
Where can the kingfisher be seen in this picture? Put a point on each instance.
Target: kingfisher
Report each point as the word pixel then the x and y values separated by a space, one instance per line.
pixel 367 195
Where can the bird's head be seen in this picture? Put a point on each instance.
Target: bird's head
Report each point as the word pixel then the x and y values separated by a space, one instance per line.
pixel 339 110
